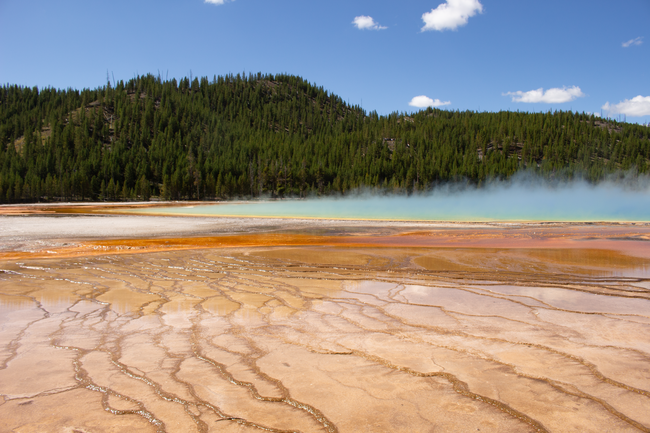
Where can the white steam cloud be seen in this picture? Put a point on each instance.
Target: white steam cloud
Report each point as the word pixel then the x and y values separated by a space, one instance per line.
pixel 424 102
pixel 551 96
pixel 635 107
pixel 635 41
pixel 364 22
pixel 451 15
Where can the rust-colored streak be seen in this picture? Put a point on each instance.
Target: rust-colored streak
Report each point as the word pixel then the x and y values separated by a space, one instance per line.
pixel 485 239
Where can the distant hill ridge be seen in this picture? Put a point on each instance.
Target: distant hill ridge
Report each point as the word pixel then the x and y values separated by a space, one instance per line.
pixel 276 135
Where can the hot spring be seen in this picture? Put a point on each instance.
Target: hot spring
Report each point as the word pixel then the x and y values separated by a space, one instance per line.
pixel 577 201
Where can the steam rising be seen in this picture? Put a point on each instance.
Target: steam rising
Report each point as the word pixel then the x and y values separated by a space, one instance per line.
pixel 523 198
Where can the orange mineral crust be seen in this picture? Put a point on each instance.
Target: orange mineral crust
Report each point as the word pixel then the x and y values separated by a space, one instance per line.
pixel 84 208
pixel 343 329
pixel 625 238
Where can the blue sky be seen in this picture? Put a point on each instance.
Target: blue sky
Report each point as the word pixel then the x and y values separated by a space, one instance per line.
pixel 467 54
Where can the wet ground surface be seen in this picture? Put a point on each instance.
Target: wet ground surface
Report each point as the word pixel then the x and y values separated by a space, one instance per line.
pixel 478 330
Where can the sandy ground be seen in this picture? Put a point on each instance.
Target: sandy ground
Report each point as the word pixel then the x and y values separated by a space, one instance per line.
pixel 120 323
pixel 65 235
pixel 326 339
pixel 40 227
pixel 36 232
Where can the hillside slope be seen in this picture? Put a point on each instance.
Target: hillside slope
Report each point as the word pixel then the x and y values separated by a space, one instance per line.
pixel 276 135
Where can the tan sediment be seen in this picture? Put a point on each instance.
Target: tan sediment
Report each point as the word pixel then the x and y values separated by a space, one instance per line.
pixel 85 208
pixel 597 245
pixel 495 329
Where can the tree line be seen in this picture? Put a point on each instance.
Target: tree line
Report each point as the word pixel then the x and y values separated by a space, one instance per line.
pixel 277 135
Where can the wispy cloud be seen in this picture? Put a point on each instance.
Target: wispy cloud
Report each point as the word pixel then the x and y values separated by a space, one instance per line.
pixel 451 15
pixel 364 22
pixel 635 107
pixel 635 41
pixel 424 102
pixel 217 2
pixel 551 96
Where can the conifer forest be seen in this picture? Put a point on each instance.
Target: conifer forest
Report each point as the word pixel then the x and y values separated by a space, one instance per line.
pixel 256 135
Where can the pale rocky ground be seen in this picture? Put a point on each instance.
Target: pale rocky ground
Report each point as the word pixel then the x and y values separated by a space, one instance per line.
pixel 409 327
pixel 332 339
pixel 38 232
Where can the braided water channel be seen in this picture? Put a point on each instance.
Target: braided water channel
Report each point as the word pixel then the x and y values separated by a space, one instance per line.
pixel 326 338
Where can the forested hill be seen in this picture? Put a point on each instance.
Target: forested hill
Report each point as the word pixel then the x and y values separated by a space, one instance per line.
pixel 243 136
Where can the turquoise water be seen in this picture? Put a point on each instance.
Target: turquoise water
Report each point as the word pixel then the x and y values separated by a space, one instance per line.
pixel 577 202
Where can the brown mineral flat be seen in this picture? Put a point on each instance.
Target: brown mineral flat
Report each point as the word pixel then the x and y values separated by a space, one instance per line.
pixel 454 329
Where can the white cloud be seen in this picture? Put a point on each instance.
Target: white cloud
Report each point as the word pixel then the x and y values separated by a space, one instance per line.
pixel 635 41
pixel 551 96
pixel 424 102
pixel 217 2
pixel 635 107
pixel 364 22
pixel 451 15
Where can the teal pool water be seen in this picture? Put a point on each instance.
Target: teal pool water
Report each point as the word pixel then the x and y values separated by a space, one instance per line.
pixel 513 203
